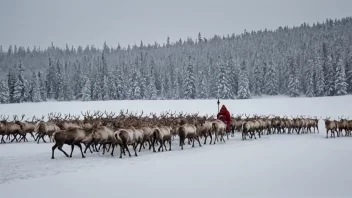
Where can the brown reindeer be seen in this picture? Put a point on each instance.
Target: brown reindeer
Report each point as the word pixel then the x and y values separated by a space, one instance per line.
pixel 27 126
pixel 205 128
pixel 11 128
pixel 330 126
pixel 45 128
pixel 342 124
pixel 74 136
pixel 126 137
pixel 189 131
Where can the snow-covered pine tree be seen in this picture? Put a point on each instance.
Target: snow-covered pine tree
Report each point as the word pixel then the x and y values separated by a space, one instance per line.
pixel 120 84
pixel 349 71
pixel 106 88
pixel 136 88
pixel 328 72
pixel 270 81
pixel 112 87
pixel 23 85
pixel 97 91
pixel 310 83
pixel 340 78
pixel 293 83
pixel 319 77
pixel 4 92
pixel 59 88
pixel 34 89
pixel 243 83
pixel 86 93
pixel 42 87
pixel 189 81
pixel 17 93
pixel 77 83
pixel 12 79
pixel 67 88
pixel 223 84
pixel 258 80
pixel 233 75
pixel 176 90
pixel 202 92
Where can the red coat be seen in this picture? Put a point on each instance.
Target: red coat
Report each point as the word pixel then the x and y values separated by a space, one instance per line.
pixel 225 113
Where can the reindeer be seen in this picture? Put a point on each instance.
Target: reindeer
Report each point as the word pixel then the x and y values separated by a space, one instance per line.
pixel 130 136
pixel 219 128
pixel 45 128
pixel 74 136
pixel 27 126
pixel 187 131
pixel 236 124
pixel 330 126
pixel 205 128
pixel 11 128
pixel 342 124
pixel 349 127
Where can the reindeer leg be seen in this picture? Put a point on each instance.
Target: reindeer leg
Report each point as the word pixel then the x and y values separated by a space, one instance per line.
pixel 104 147
pixel 2 139
pixel 60 148
pixel 80 148
pixel 38 138
pixel 113 148
pixel 164 143
pixel 31 133
pixel 52 150
pixel 88 147
pixel 127 150
pixel 72 147
pixel 121 150
pixel 170 145
pixel 142 144
pixel 154 145
pixel 135 149
pixel 150 144
pixel 14 137
pixel 43 139
pixel 161 146
pixel 198 141
pixel 25 138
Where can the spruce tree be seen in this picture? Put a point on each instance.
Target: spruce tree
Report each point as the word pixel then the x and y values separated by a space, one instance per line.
pixel 293 82
pixel 243 83
pixel 270 80
pixel 340 78
pixel 34 89
pixel 86 93
pixel 319 77
pixel 189 81
pixel 349 72
pixel 4 92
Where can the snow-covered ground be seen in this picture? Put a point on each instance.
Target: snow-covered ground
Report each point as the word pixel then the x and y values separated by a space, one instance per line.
pixel 283 165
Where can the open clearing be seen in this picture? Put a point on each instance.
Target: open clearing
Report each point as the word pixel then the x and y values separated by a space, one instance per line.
pixel 281 165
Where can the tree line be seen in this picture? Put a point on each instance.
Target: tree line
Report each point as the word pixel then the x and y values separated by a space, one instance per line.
pixel 307 60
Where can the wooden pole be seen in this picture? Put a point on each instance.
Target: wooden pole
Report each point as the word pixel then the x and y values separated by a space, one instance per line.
pixel 218 105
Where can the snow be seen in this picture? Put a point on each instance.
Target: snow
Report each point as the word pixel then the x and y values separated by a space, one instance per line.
pixel 282 165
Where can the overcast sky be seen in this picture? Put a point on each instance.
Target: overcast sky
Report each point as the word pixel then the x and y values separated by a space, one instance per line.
pixel 82 22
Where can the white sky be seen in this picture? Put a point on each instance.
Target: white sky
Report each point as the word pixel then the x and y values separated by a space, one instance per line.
pixel 82 22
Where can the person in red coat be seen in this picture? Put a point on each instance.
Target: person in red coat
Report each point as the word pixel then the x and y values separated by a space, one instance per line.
pixel 225 116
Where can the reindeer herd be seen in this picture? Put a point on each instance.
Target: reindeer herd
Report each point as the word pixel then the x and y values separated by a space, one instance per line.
pixel 107 131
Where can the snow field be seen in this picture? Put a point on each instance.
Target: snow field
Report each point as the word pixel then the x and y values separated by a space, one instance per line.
pixel 283 165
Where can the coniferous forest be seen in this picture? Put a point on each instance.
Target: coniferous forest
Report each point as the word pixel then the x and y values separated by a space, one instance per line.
pixel 310 60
